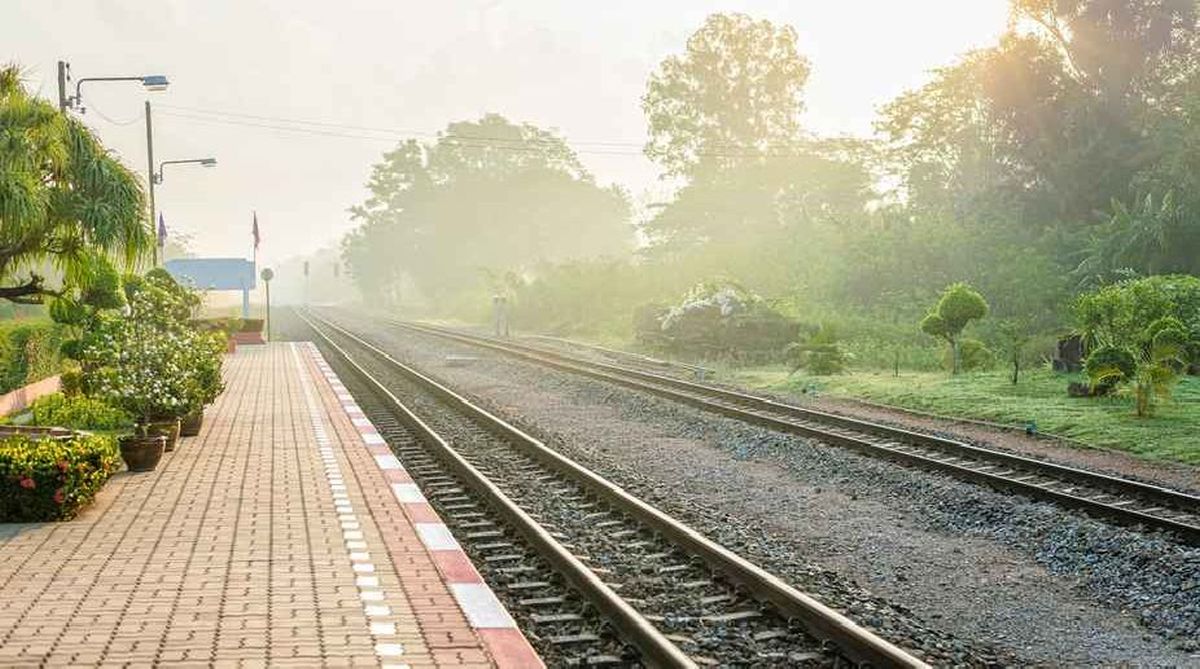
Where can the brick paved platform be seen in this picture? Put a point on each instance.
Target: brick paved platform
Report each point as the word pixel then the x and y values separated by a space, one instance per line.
pixel 278 537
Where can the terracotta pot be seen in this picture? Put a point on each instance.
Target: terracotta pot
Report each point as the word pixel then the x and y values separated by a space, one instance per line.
pixel 168 428
pixel 231 345
pixel 141 453
pixel 191 423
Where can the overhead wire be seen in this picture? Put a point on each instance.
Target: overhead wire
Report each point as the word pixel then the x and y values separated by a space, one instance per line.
pixel 377 133
pixel 90 106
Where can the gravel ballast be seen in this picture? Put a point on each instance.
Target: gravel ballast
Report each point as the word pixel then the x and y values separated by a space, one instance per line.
pixel 1046 585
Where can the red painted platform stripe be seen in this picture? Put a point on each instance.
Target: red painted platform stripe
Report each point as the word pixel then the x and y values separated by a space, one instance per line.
pixel 505 643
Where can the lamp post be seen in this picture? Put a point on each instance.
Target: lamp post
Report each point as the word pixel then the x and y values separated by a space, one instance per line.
pixel 156 178
pixel 152 82
pixel 203 162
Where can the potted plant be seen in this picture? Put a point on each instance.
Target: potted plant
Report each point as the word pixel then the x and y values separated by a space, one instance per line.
pixel 143 370
pixel 206 379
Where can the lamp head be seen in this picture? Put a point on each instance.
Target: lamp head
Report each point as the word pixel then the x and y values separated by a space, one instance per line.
pixel 155 82
pixel 208 162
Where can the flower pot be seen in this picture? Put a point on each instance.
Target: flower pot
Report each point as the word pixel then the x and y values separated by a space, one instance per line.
pixel 190 425
pixel 165 428
pixel 141 453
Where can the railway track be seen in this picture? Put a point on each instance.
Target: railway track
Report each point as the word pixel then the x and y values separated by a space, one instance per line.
pixel 594 575
pixel 1125 501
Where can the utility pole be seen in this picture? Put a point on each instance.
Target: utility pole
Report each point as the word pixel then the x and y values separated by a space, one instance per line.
pixel 150 179
pixel 63 73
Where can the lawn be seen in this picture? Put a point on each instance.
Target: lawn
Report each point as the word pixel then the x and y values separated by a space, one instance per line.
pixel 1173 434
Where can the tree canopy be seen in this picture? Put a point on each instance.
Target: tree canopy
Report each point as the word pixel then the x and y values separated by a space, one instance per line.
pixel 486 195
pixel 64 199
pixel 736 91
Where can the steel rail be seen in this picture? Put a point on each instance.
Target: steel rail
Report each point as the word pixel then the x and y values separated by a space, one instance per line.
pixel 712 398
pixel 855 642
pixel 640 633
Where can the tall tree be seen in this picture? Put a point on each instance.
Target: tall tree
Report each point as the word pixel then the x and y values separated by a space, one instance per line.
pixel 487 195
pixel 64 200
pixel 736 91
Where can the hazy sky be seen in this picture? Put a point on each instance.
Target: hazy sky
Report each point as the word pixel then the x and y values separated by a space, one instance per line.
pixel 408 68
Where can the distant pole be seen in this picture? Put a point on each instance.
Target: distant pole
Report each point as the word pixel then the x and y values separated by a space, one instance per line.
pixel 62 85
pixel 150 174
pixel 267 275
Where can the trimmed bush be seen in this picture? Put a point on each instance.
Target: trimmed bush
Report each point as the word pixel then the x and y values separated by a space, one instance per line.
pixel 29 352
pixel 78 413
pixel 52 479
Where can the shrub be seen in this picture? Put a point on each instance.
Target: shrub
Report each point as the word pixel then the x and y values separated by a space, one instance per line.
pixel 822 354
pixel 722 318
pixel 973 356
pixel 152 364
pixel 29 352
pixel 1119 313
pixel 78 413
pixel 52 479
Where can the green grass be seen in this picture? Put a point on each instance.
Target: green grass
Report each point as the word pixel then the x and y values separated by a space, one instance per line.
pixel 1172 434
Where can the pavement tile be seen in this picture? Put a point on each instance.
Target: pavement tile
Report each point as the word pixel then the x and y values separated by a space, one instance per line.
pixel 231 553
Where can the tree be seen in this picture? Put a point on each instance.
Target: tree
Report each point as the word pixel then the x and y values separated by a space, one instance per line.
pixel 64 200
pixel 735 93
pixel 487 196
pixel 1151 363
pixel 958 306
pixel 1151 237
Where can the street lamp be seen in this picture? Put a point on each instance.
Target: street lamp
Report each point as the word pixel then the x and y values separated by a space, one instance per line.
pixel 203 162
pixel 152 82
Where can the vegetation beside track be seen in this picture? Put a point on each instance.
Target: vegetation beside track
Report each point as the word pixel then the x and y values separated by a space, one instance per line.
pixel 1040 397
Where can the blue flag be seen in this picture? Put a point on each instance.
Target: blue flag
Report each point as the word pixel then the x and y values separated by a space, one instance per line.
pixel 162 231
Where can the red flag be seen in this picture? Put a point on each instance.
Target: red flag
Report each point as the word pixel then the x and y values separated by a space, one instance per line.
pixel 257 238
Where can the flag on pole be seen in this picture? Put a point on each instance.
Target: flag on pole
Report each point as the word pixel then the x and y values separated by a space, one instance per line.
pixel 162 231
pixel 257 238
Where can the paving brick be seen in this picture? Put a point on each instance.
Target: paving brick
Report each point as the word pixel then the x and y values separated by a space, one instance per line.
pixel 231 553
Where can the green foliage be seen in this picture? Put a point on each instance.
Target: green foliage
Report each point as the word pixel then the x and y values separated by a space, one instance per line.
pixel 1148 363
pixel 63 199
pixel 487 194
pixel 77 413
pixel 1101 421
pixel 736 92
pixel 52 479
pixel 1150 238
pixel 153 363
pixel 29 352
pixel 956 308
pixel 821 354
pixel 1120 313
pixel 973 356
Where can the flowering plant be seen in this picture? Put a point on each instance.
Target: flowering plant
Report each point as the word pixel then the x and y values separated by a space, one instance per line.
pixel 152 363
pixel 132 365
pixel 52 479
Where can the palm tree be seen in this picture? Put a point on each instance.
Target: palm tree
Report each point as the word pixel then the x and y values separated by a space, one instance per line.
pixel 65 201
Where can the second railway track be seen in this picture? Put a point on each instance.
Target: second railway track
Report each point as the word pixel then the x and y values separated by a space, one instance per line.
pixel 672 597
pixel 1125 501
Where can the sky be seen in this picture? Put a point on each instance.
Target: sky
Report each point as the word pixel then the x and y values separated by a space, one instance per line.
pixel 362 74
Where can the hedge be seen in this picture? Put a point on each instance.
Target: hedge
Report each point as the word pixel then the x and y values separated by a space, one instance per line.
pixel 43 479
pixel 29 351
pixel 77 413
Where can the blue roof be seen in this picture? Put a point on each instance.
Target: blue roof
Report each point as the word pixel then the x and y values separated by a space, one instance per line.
pixel 213 273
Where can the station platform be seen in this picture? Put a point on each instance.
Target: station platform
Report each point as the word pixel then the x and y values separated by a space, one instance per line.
pixel 285 534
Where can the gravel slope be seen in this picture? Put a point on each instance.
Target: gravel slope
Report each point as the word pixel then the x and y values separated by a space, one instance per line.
pixel 1048 586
